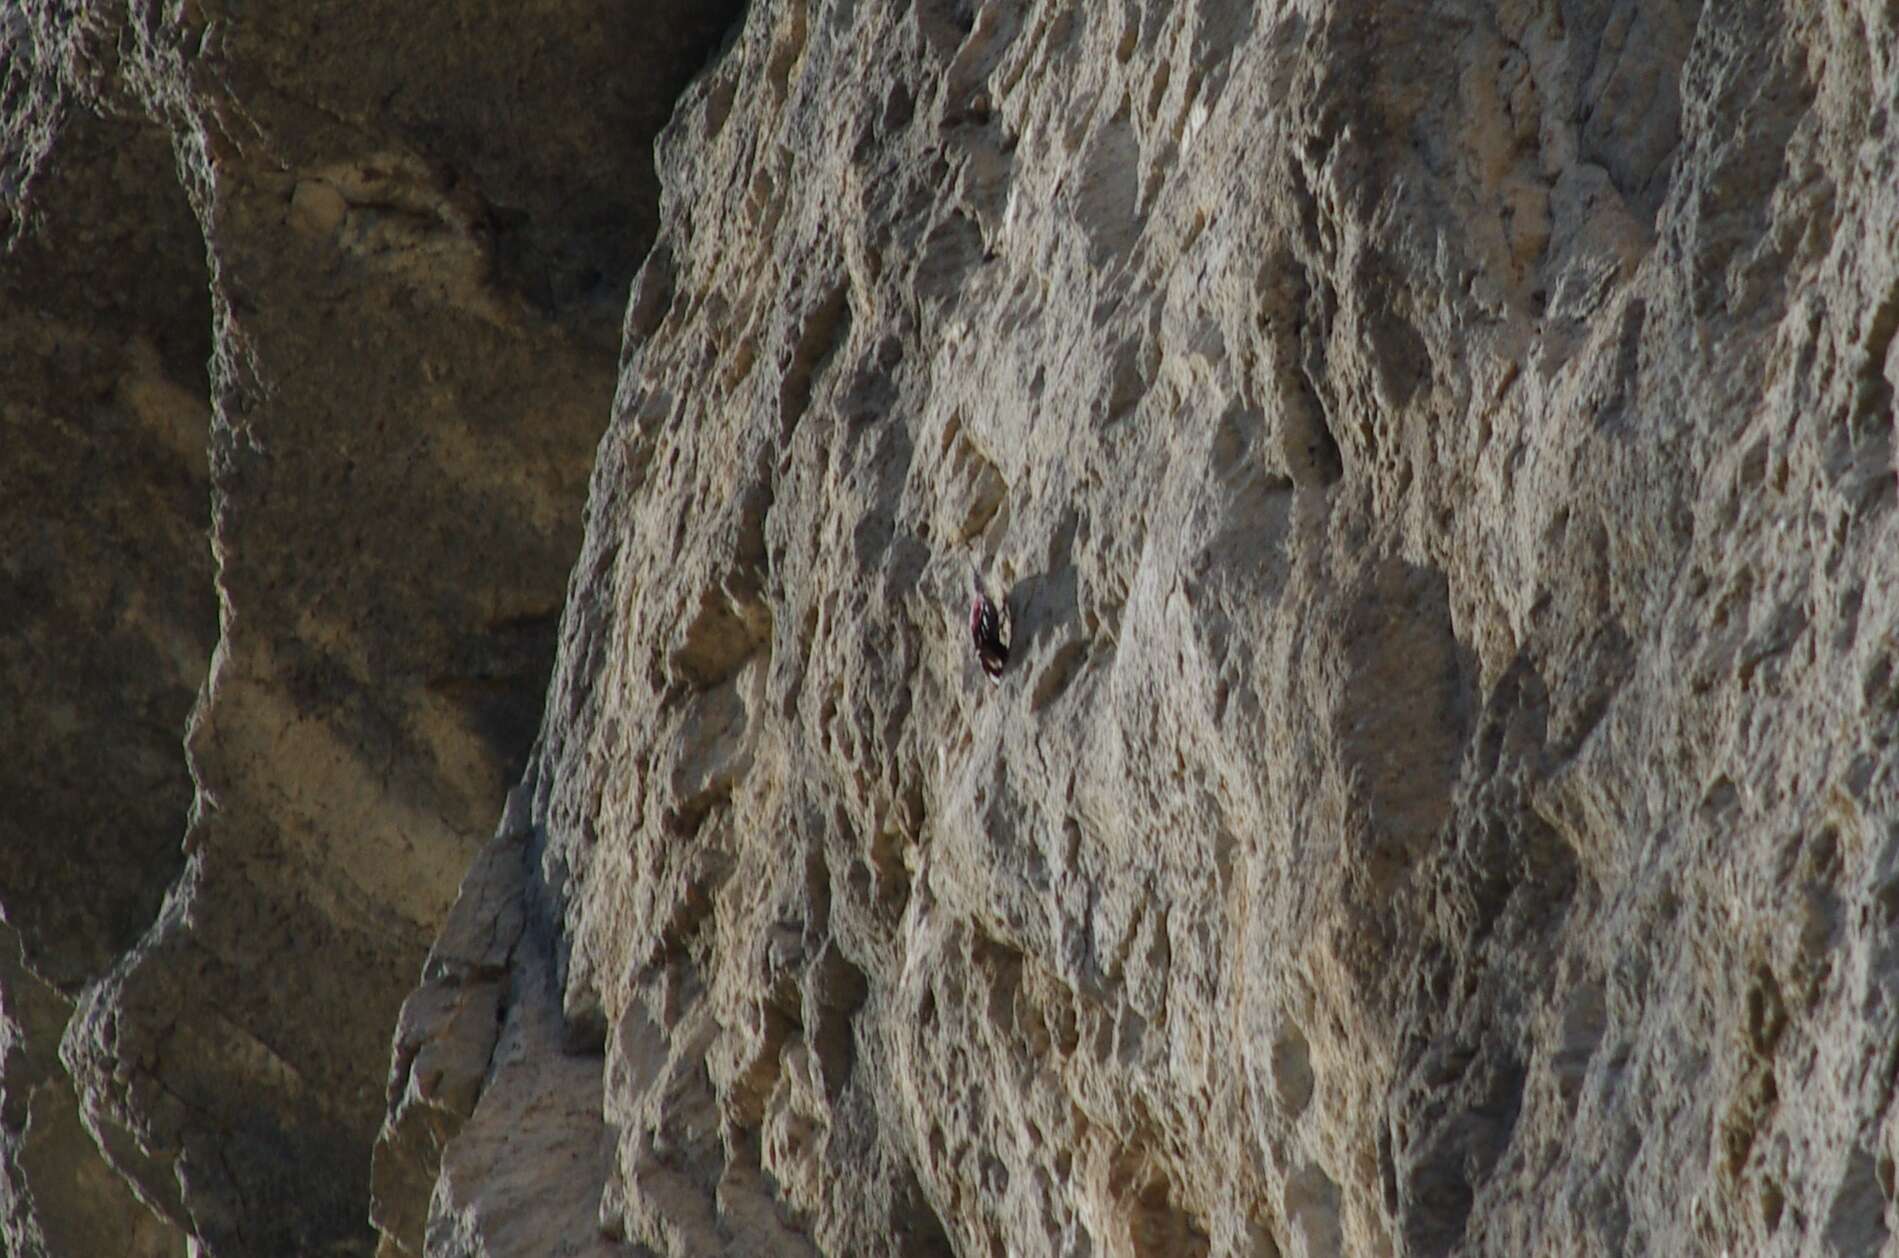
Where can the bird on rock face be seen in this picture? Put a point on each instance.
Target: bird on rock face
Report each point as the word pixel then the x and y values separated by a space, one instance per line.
pixel 985 630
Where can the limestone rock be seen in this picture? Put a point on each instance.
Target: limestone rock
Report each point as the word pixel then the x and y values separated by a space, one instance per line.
pixel 1438 461
pixel 348 254
pixel 105 592
pixel 1443 795
pixel 57 1194
pixel 105 570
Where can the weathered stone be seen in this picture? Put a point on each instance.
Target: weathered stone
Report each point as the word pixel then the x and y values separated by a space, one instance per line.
pixel 1442 799
pixel 446 1035
pixel 524 1175
pixel 58 1196
pixel 106 585
pixel 1439 461
pixel 407 288
pixel 105 570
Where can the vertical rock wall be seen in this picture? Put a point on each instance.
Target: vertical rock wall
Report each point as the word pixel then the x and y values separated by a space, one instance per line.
pixel 109 611
pixel 1439 460
pixel 1438 463
pixel 372 263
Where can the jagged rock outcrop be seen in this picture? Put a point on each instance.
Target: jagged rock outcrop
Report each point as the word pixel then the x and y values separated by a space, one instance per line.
pixel 1439 459
pixel 1442 799
pixel 340 288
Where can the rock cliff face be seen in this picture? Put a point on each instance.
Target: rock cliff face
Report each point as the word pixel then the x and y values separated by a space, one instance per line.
pixel 326 283
pixel 1438 461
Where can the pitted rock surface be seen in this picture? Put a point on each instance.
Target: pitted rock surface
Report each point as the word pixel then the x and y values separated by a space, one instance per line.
pixel 1435 464
pixel 1442 795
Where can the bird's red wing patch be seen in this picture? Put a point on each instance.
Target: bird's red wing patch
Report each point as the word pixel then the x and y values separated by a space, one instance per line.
pixel 985 629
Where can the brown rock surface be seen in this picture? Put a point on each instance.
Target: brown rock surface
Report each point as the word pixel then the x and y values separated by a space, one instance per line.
pixel 104 571
pixel 347 248
pixel 1438 462
pixel 1442 800
pixel 107 611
